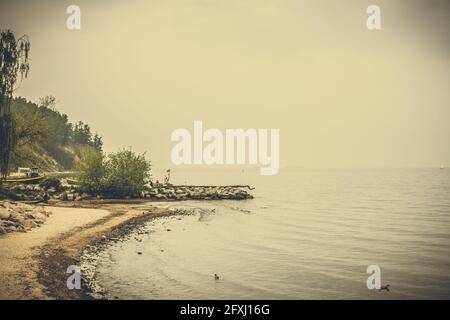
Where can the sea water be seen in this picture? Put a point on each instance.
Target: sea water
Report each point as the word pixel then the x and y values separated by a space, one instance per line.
pixel 308 234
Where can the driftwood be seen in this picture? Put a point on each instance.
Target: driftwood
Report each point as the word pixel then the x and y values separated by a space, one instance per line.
pixel 232 186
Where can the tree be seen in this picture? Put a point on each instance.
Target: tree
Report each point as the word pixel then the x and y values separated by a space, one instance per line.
pixel 48 102
pixel 82 133
pixel 14 67
pixel 30 127
pixel 97 143
pixel 90 171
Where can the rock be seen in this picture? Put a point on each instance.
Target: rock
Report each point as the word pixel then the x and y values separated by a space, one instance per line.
pixel 4 214
pixel 29 224
pixel 14 217
pixel 21 217
pixel 29 216
pixel 70 196
pixel 8 223
pixel 51 190
pixel 2 230
pixel 39 215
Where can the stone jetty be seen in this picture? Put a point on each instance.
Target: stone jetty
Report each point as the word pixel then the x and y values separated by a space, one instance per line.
pixel 32 193
pixel 167 193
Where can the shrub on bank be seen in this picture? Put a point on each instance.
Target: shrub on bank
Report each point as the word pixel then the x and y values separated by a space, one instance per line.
pixel 51 182
pixel 90 171
pixel 127 173
pixel 120 174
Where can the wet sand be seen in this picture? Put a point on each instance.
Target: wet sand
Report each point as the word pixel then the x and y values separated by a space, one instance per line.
pixel 33 264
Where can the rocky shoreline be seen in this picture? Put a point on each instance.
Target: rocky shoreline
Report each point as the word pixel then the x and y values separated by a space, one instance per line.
pixel 89 256
pixel 47 278
pixel 21 217
pixel 85 244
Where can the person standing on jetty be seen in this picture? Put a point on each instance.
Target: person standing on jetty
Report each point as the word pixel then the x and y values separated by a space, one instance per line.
pixel 167 177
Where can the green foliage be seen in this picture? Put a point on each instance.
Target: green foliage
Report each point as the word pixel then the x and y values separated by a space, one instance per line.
pixel 50 183
pixel 82 133
pixel 59 128
pixel 42 130
pixel 90 171
pixel 13 64
pixel 121 174
pixel 31 125
pixel 29 132
pixel 126 173
pixel 97 143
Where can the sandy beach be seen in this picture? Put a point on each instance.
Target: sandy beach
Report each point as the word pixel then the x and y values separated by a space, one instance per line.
pixel 33 264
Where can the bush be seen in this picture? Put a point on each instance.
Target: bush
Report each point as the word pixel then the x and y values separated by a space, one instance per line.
pixel 126 173
pixel 48 183
pixel 121 174
pixel 90 171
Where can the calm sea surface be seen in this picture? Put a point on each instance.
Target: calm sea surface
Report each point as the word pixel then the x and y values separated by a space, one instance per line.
pixel 308 234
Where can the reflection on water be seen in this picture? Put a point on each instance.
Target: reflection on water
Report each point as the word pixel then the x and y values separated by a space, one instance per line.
pixel 308 234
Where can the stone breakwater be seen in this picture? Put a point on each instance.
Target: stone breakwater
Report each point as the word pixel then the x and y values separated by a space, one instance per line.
pixel 165 193
pixel 156 193
pixel 15 216
pixel 197 193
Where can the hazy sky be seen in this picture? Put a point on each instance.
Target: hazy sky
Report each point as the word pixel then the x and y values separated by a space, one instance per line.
pixel 340 94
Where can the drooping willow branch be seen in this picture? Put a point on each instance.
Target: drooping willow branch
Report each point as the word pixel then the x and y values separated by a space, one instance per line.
pixel 14 67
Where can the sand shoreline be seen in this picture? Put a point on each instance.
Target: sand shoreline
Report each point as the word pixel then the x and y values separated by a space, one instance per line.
pixel 34 264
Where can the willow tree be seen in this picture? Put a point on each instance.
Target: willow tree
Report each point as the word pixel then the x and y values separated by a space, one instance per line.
pixel 14 68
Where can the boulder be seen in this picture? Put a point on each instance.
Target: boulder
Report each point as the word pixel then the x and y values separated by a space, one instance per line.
pixel 8 223
pixel 4 213
pixel 14 216
pixel 51 190
pixel 29 216
pixel 29 224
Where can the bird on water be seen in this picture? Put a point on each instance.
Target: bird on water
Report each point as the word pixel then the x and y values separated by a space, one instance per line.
pixel 386 287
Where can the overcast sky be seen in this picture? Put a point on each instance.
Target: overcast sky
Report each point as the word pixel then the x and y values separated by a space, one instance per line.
pixel 341 95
